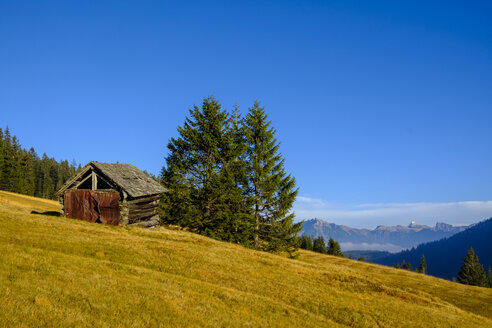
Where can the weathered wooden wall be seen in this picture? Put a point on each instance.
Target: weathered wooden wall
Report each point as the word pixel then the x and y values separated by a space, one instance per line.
pixel 141 209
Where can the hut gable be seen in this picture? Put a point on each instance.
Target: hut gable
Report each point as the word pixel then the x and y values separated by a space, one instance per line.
pixel 134 195
pixel 125 177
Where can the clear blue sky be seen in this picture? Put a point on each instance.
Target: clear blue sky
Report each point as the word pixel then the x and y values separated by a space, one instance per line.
pixel 375 102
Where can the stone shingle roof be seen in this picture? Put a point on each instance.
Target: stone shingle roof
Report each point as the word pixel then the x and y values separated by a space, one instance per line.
pixel 125 176
pixel 133 181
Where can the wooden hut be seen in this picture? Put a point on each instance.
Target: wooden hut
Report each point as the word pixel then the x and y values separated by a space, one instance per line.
pixel 112 194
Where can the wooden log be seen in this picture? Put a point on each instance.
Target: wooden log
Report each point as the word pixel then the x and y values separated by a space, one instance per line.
pixel 152 222
pixel 140 216
pixel 144 200
pixel 143 207
pixel 142 213
pixel 142 210
pixel 94 180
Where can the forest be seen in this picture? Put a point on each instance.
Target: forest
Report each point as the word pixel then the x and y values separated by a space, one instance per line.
pixel 24 172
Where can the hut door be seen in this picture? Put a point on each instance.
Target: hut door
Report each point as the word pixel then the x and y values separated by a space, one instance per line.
pixel 108 207
pixel 93 206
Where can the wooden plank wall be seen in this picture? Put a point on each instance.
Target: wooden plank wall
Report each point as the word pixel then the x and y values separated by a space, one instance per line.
pixel 142 208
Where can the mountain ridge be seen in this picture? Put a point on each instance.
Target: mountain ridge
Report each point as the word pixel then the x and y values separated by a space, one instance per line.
pixel 445 256
pixel 383 238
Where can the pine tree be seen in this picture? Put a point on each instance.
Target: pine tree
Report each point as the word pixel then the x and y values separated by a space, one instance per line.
pixel 236 223
pixel 489 278
pixel 471 271
pixel 2 154
pixel 16 173
pixel 319 245
pixel 423 265
pixel 307 242
pixel 334 248
pixel 27 183
pixel 38 174
pixel 6 182
pixel 406 265
pixel 272 191
pixel 203 175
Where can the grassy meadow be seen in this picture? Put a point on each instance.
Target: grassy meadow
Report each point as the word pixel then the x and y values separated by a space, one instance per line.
pixel 59 272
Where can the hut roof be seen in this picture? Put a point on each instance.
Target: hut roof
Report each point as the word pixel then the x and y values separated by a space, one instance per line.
pixel 127 177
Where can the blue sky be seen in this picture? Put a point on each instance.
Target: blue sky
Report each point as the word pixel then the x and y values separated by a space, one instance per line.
pixel 384 105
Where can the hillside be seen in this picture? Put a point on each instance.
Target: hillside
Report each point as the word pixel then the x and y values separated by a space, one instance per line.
pixel 383 238
pixel 63 272
pixel 444 257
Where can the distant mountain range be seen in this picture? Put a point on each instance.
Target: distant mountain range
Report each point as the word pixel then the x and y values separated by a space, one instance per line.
pixel 444 257
pixel 383 238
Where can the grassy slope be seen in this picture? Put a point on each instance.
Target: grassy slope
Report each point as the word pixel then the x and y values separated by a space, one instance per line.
pixel 63 272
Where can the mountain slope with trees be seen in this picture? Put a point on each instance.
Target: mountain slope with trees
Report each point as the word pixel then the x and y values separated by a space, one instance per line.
pixel 444 257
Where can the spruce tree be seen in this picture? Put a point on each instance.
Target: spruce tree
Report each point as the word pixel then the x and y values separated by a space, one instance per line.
pixel 16 173
pixel 203 175
pixel 334 248
pixel 319 245
pixel 489 278
pixel 471 271
pixel 236 220
pixel 272 191
pixel 307 242
pixel 2 154
pixel 27 183
pixel 6 182
pixel 423 265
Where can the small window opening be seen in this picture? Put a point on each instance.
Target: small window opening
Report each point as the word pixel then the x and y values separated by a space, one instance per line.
pixel 87 184
pixel 101 184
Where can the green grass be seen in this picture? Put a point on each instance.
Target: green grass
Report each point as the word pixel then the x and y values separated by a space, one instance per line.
pixel 61 272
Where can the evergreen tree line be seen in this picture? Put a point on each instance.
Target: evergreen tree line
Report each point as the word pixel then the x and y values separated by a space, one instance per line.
pixel 408 266
pixel 471 271
pixel 22 171
pixel 226 179
pixel 318 245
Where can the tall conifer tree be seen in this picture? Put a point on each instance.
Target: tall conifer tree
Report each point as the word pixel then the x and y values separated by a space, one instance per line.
pixel 423 265
pixel 319 245
pixel 334 248
pixel 489 278
pixel 2 154
pixel 471 271
pixel 307 242
pixel 272 191
pixel 27 183
pixel 6 182
pixel 203 174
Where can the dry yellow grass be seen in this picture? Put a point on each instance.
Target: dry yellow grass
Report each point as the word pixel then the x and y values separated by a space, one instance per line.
pixel 62 272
